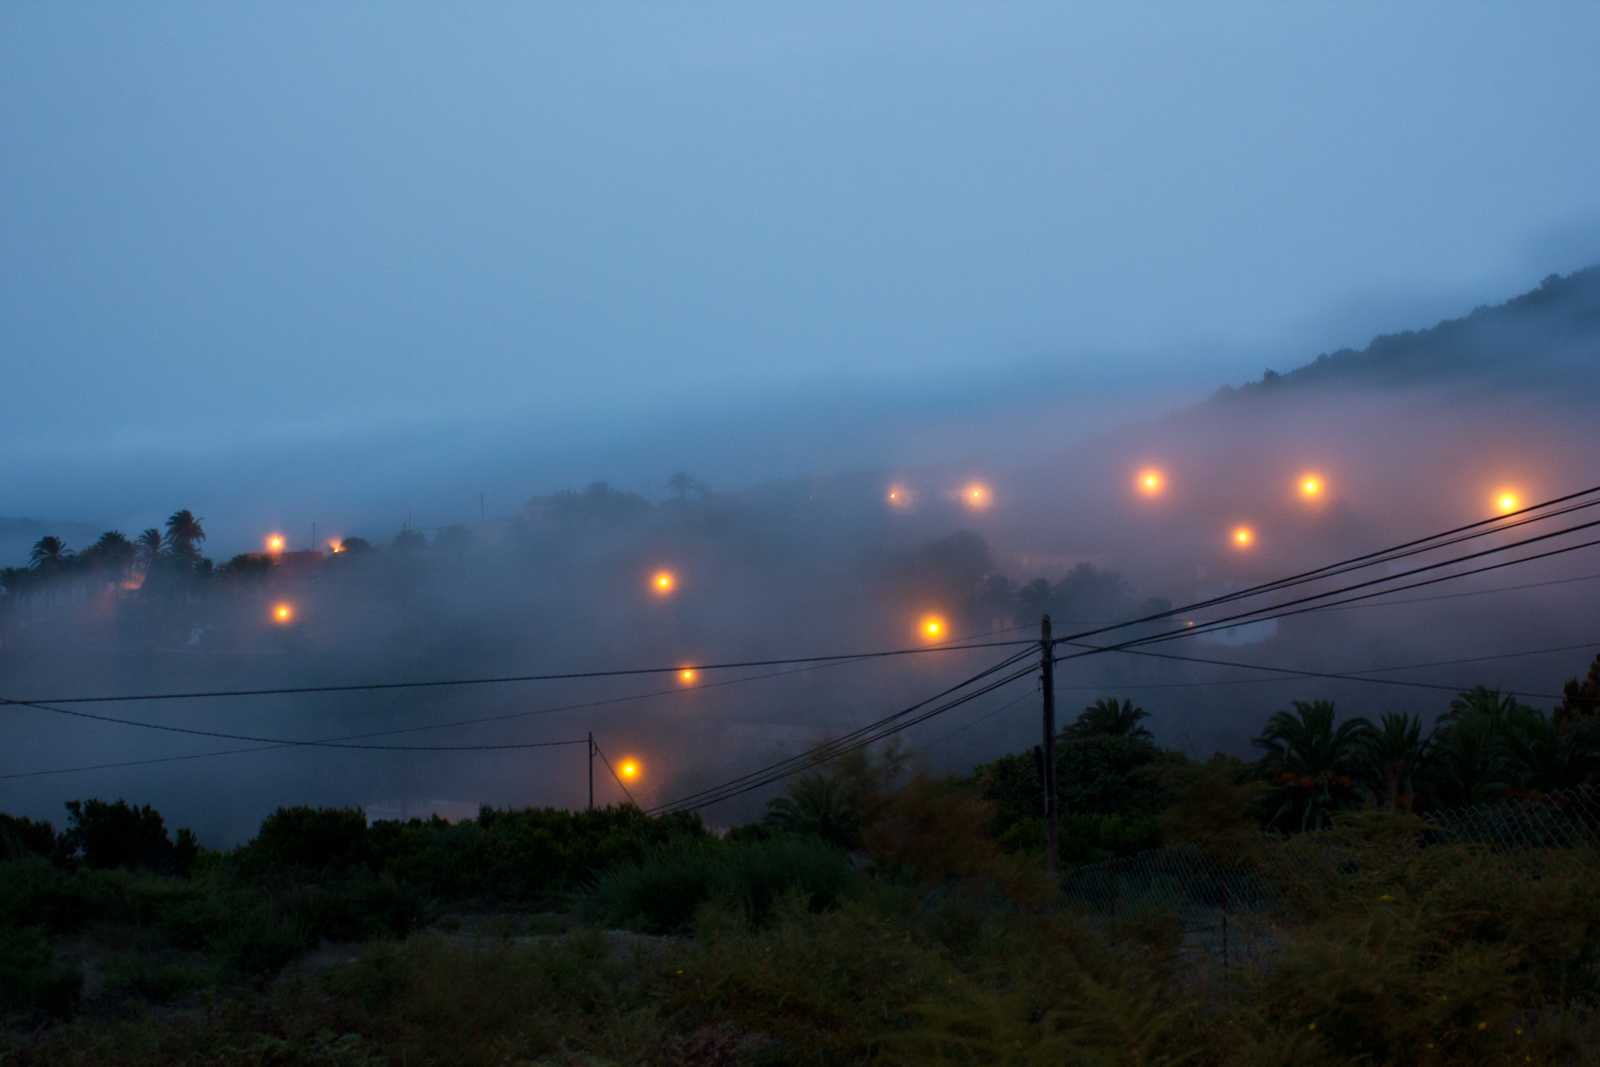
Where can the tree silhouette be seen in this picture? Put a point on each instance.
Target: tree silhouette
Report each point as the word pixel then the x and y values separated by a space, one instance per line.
pixel 113 551
pixel 147 548
pixel 1312 763
pixel 1110 719
pixel 1396 752
pixel 1033 599
pixel 50 555
pixel 184 533
pixel 681 483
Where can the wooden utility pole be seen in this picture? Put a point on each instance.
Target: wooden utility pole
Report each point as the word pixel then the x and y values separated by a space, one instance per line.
pixel 1052 807
pixel 591 770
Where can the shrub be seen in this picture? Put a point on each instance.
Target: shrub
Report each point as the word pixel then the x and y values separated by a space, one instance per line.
pixel 661 892
pixel 306 837
pixel 120 835
pixel 20 836
pixel 29 975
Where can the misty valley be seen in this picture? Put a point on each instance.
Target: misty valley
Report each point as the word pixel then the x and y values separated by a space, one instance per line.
pixel 1263 731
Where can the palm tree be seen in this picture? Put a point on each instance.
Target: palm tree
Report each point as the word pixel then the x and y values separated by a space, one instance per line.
pixel 50 555
pixel 1396 751
pixel 184 533
pixel 147 548
pixel 1312 763
pixel 113 550
pixel 681 483
pixel 1108 718
pixel 818 805
pixel 1544 755
pixel 1471 763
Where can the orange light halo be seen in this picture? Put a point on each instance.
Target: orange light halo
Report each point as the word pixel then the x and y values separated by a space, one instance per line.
pixel 977 496
pixel 628 768
pixel 1312 486
pixel 1151 482
pixel 686 676
pixel 663 582
pixel 1506 501
pixel 282 613
pixel 1243 537
pixel 899 496
pixel 931 628
pixel 274 543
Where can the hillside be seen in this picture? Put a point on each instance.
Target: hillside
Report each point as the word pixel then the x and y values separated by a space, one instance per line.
pixel 1554 326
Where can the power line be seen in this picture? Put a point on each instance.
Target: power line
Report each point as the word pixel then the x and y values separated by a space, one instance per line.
pixel 568 676
pixel 1276 612
pixel 282 742
pixel 614 774
pixel 1358 676
pixel 1482 528
pixel 1471 592
pixel 837 746
pixel 828 752
pixel 414 729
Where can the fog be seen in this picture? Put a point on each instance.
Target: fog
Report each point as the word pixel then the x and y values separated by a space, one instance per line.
pixel 1416 434
pixel 331 273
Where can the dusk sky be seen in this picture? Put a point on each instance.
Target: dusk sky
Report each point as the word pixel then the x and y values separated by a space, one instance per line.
pixel 290 261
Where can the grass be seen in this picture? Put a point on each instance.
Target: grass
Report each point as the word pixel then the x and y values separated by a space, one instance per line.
pixel 783 950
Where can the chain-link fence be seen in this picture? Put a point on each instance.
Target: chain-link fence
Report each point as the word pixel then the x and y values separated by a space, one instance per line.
pixel 1218 889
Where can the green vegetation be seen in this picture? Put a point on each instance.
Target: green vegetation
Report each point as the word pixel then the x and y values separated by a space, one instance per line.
pixel 877 915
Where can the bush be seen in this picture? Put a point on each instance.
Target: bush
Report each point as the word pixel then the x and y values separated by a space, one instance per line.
pixel 120 835
pixel 661 892
pixel 313 838
pixel 20 836
pixel 29 975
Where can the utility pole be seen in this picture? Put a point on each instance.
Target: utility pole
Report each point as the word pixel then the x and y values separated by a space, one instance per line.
pixel 1052 806
pixel 591 770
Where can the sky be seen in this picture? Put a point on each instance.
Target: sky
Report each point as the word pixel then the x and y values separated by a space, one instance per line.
pixel 336 262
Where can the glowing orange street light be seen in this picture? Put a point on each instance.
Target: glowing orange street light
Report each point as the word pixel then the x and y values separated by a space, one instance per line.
pixel 282 613
pixel 1243 537
pixel 275 543
pixel 1151 482
pixel 663 582
pixel 628 768
pixel 1311 486
pixel 977 496
pixel 686 676
pixel 336 546
pixel 899 496
pixel 1506 502
pixel 931 628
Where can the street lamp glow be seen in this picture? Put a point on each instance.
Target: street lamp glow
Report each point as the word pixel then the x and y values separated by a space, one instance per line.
pixel 274 543
pixel 686 676
pixel 1151 482
pixel 628 768
pixel 1311 486
pixel 977 496
pixel 1243 537
pixel 663 583
pixel 282 613
pixel 1506 502
pixel 899 496
pixel 932 628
